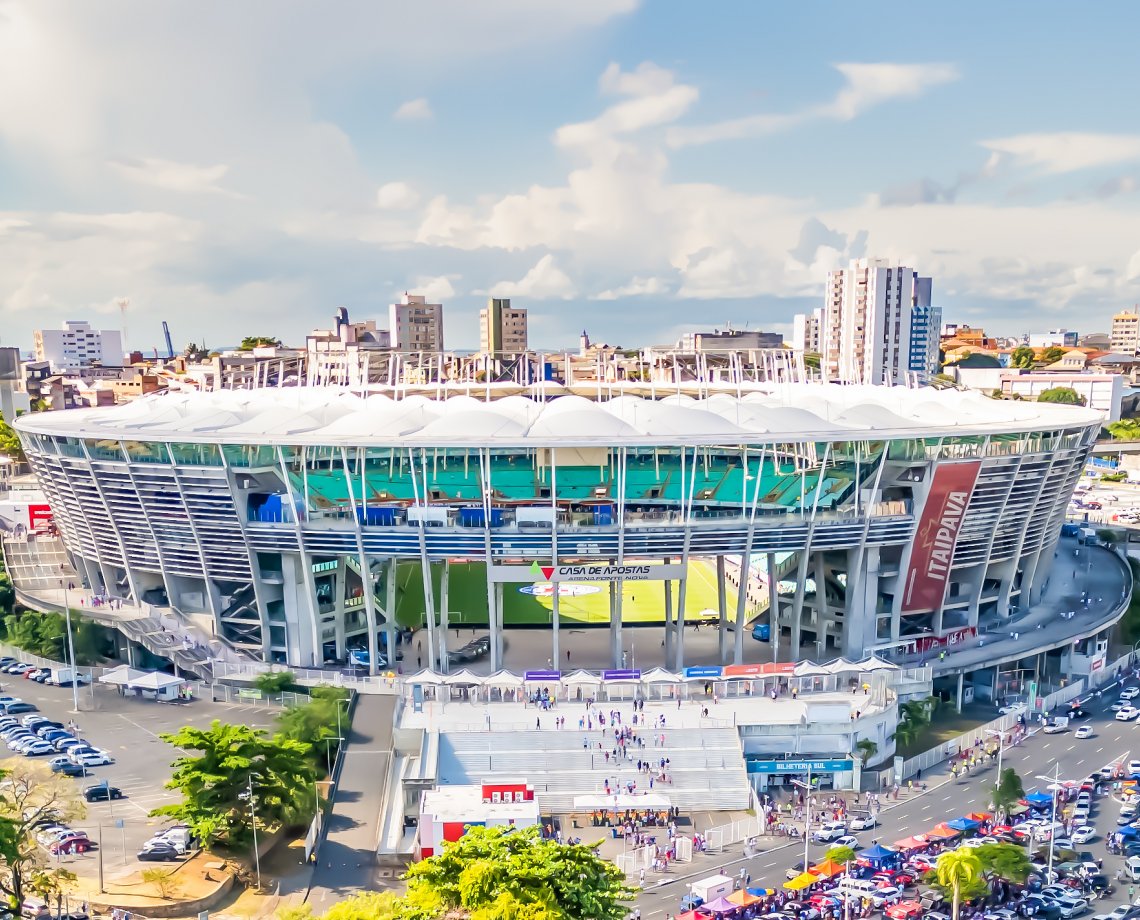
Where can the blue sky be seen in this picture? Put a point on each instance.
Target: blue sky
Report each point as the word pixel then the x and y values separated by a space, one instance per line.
pixel 636 169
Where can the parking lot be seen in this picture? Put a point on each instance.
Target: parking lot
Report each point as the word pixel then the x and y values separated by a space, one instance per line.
pixel 128 730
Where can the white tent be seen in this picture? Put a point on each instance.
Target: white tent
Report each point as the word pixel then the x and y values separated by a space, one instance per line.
pixel 464 678
pixel 809 669
pixel 622 800
pixel 154 680
pixel 659 676
pixel 503 679
pixel 875 663
pixel 840 666
pixel 426 676
pixel 120 676
pixel 581 677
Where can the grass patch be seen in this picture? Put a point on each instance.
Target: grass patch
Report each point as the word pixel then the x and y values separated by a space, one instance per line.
pixel 946 726
pixel 642 601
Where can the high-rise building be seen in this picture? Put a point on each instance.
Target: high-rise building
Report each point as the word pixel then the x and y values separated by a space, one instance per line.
pixel 805 331
pixel 502 328
pixel 76 345
pixel 416 325
pixel 1125 335
pixel 877 324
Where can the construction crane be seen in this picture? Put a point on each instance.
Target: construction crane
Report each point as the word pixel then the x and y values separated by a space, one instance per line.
pixel 169 344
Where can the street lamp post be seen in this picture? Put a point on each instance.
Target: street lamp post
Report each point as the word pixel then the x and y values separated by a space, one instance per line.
pixel 1001 748
pixel 807 814
pixel 253 821
pixel 71 651
pixel 1054 781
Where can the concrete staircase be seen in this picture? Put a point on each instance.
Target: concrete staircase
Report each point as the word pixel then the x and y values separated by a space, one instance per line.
pixel 558 767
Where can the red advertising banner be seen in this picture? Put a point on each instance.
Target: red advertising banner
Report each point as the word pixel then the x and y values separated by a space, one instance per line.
pixel 759 670
pixel 937 534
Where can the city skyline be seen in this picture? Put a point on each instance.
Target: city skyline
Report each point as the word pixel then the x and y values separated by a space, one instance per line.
pixel 235 179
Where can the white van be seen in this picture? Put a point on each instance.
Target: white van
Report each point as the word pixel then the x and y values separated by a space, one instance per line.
pixel 860 888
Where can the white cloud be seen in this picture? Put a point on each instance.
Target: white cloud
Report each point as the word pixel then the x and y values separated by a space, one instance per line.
pixel 171 176
pixel 546 281
pixel 655 99
pixel 397 196
pixel 414 110
pixel 436 290
pixel 1065 152
pixel 866 86
pixel 637 287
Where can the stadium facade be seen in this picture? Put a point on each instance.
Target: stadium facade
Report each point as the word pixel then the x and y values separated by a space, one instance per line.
pixel 885 516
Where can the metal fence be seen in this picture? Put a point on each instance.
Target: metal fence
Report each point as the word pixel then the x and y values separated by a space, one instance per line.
pixel 250 670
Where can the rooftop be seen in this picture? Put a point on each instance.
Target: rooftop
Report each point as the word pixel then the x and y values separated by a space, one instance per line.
pixel 551 415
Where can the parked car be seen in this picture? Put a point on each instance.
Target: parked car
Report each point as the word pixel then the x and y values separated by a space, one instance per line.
pixel 13 708
pixel 158 852
pixel 102 793
pixel 94 758
pixel 71 844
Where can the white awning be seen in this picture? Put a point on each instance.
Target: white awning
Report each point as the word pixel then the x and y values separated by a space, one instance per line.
pixel 840 666
pixel 155 680
pixel 810 669
pixel 875 663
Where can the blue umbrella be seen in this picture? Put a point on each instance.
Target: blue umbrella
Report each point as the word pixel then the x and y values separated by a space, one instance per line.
pixel 967 824
pixel 1039 798
pixel 1128 831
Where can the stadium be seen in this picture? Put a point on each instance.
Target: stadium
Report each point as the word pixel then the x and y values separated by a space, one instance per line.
pixel 305 523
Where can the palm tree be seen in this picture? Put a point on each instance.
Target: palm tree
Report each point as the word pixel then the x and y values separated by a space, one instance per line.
pixel 867 748
pixel 958 870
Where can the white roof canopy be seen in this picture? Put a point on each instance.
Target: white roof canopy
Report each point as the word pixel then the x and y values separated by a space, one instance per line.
pixel 503 679
pixel 464 678
pixel 476 415
pixel 623 800
pixel 425 676
pixel 659 676
pixel 581 677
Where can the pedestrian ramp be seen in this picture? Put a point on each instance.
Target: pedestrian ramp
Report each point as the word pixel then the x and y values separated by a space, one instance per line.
pixel 563 764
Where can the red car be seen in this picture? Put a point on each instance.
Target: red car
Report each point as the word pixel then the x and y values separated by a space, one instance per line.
pixel 904 910
pixel 75 844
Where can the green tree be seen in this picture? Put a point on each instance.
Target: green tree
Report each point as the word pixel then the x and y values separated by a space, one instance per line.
pixel 250 342
pixel 30 796
pixel 1109 536
pixel 1023 356
pixel 1065 395
pixel 867 748
pixel 1117 476
pixel 1005 861
pixel 315 722
pixel 1009 790
pixel 215 784
pixel 493 872
pixel 959 873
pixel 10 445
pixel 274 681
pixel 1127 429
pixel 367 905
pixel 841 854
pixel 1052 355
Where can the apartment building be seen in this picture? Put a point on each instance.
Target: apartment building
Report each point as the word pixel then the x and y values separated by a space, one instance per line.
pixel 877 325
pixel 1125 335
pixel 415 325
pixel 76 345
pixel 502 328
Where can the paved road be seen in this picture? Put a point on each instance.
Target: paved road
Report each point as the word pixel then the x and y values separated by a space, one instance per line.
pixel 347 862
pixel 945 799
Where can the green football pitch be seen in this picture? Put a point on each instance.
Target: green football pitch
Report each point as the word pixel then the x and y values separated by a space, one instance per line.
pixel 642 601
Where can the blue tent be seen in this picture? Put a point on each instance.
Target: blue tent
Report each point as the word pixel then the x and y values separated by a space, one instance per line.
pixel 877 853
pixel 1039 799
pixel 966 824
pixel 1128 831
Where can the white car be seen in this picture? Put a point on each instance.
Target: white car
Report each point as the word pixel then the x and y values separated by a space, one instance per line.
pixel 862 822
pixel 1127 714
pixel 92 758
pixel 847 840
pixel 1130 693
pixel 1072 906
pixel 1118 705
pixel 885 896
pixel 1134 766
pixel 1083 835
pixel 1012 710
pixel 1085 731
pixel 830 831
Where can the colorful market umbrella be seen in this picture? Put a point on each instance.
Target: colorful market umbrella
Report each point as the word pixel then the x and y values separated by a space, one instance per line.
pixel 980 816
pixel 1039 799
pixel 964 824
pixel 801 881
pixel 743 898
pixel 917 842
pixel 720 906
pixel 828 868
pixel 691 915
pixel 762 892
pixel 877 853
pixel 943 832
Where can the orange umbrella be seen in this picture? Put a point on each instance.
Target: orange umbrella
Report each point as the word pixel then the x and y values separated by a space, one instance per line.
pixel 980 816
pixel 743 898
pixel 943 832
